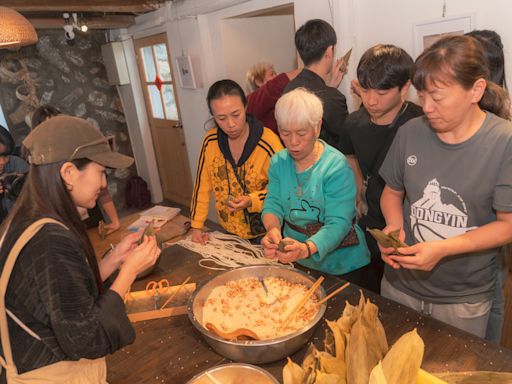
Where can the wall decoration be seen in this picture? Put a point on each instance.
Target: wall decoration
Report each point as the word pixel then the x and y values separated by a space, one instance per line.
pixel 428 32
pixel 186 72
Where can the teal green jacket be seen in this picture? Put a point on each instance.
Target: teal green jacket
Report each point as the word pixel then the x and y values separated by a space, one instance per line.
pixel 328 196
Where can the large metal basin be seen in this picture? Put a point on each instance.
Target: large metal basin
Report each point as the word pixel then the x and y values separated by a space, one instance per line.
pixel 262 351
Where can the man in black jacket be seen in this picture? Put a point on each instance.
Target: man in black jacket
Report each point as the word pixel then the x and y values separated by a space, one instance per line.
pixel 315 42
pixel 383 80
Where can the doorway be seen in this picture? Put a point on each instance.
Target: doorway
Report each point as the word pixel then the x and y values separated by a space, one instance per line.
pixel 157 80
pixel 266 35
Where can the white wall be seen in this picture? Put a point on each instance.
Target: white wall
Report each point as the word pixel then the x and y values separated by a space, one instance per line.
pixel 393 21
pixel 184 39
pixel 247 41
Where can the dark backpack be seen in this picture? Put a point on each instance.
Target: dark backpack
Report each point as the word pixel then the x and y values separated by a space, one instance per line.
pixel 137 193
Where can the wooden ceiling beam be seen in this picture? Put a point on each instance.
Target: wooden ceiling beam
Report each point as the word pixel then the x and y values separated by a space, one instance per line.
pixel 103 22
pixel 133 6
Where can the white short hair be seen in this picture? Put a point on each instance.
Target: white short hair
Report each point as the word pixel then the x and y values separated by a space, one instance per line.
pixel 299 106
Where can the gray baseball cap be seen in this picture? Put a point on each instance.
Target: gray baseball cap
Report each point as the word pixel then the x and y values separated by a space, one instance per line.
pixel 66 138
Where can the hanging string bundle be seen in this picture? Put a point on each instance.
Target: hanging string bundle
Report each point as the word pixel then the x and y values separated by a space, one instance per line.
pixel 224 251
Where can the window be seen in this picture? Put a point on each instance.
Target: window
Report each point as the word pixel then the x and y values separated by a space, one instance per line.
pixel 3 122
pixel 159 82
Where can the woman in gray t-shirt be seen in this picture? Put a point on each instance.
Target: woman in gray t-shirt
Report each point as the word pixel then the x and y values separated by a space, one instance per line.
pixel 448 187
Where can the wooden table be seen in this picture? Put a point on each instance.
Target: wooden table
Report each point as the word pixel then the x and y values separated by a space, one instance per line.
pixel 171 350
pixel 169 231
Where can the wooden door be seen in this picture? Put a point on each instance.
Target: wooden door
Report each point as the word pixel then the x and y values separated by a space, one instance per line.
pixel 157 79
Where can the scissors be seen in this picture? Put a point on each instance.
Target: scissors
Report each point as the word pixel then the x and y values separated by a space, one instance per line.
pixel 156 289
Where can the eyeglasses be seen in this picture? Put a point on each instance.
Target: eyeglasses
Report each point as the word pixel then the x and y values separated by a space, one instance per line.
pixel 91 144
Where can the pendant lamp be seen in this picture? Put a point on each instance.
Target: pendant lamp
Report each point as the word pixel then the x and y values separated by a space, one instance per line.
pixel 15 30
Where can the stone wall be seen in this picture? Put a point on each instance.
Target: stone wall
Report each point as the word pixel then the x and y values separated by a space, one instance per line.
pixel 72 77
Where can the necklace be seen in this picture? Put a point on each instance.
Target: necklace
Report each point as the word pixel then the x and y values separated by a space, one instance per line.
pixel 309 172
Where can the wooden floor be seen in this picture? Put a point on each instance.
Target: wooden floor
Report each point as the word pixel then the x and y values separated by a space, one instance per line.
pixel 506 339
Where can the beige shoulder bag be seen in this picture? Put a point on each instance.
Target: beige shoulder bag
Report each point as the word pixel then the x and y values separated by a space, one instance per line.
pixel 83 371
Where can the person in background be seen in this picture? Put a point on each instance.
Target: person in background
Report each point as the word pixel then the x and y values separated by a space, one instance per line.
pixel 383 80
pixel 266 88
pixel 93 216
pixel 9 165
pixel 311 194
pixel 315 42
pixel 448 189
pixel 493 48
pixel 233 163
pixel 59 317
pixel 43 113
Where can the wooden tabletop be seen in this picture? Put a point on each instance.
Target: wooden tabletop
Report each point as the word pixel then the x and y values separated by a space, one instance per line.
pixel 171 350
pixel 169 231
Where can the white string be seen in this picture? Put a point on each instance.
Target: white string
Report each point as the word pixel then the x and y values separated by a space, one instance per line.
pixel 224 251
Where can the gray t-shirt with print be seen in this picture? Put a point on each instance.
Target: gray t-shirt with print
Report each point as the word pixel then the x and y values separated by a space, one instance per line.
pixel 450 189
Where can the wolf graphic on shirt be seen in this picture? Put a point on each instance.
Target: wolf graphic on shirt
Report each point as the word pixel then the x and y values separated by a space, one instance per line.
pixel 431 219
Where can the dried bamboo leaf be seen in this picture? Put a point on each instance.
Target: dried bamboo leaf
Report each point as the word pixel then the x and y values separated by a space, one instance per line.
pixel 476 377
pixel 359 360
pixel 350 314
pixel 330 364
pixel 339 340
pixel 328 378
pixel 310 363
pixel 377 375
pixel 329 343
pixel 371 318
pixel 282 244
pixel 390 240
pixel 148 231
pixel 293 373
pixel 402 363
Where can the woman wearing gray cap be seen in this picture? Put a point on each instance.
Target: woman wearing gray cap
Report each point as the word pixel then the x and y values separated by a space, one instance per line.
pixel 52 300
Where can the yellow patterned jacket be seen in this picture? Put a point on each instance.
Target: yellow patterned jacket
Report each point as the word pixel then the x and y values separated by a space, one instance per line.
pixel 215 173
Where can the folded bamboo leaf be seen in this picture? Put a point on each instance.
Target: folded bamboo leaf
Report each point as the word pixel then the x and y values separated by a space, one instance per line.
pixel 330 364
pixel 328 378
pixel 293 373
pixel 371 319
pixel 390 240
pixel 339 340
pixel 377 375
pixel 282 244
pixel 360 360
pixel 475 377
pixel 148 231
pixel 402 363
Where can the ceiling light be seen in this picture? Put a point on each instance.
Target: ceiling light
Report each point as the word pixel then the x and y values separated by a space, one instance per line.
pixel 72 22
pixel 15 30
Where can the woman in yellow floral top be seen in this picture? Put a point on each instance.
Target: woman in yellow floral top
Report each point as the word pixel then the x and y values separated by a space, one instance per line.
pixel 233 164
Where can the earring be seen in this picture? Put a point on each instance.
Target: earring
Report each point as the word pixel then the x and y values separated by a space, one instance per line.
pixel 69 186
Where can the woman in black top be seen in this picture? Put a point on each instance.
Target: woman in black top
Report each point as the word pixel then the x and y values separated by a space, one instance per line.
pixel 58 311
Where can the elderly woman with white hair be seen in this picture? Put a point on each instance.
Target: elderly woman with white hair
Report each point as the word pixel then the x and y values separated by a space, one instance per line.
pixel 311 191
